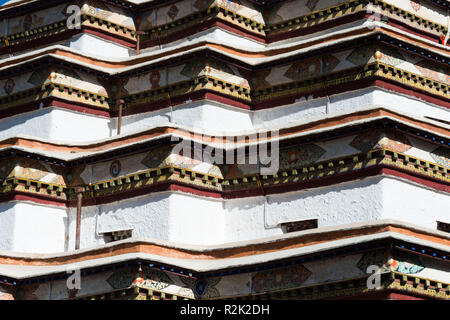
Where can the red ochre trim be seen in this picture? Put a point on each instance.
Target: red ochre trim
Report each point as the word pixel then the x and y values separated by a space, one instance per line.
pixel 204 94
pixel 411 30
pixel 216 22
pixel 211 95
pixel 113 38
pixel 351 86
pixel 226 25
pixel 407 90
pixel 238 194
pixel 388 294
pixel 316 28
pixel 77 106
pixel 299 241
pixel 36 198
pixel 54 102
pixel 40 42
pixel 420 179
pixel 125 141
pixel 160 187
pixel 65 35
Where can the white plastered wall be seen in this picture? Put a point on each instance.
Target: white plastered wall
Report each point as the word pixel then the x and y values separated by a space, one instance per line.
pixel 189 219
pixel 406 201
pixel 92 45
pixel 212 117
pixel 56 124
pixel 32 228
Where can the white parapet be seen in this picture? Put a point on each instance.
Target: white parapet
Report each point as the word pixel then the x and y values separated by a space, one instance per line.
pixel 189 219
pixel 97 47
pixel 194 220
pixel 212 117
pixel 32 228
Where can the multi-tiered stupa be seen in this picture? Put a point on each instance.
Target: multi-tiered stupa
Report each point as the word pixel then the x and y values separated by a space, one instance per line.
pixel 353 96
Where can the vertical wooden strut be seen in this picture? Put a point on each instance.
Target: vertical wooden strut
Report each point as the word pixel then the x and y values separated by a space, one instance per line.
pixel 119 124
pixel 138 41
pixel 119 102
pixel 79 191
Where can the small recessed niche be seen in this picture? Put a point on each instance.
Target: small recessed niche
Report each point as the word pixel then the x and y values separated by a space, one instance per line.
pixel 295 226
pixel 442 226
pixel 118 235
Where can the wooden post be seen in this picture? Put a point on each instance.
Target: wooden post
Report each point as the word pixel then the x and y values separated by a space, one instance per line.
pixel 79 191
pixel 138 41
pixel 119 124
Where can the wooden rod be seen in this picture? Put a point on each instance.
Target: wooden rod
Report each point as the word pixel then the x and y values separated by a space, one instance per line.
pixel 79 192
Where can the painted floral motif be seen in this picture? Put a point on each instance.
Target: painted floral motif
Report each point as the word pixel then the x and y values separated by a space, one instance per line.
pixel 391 56
pixel 374 139
pixel 153 279
pixel 99 9
pixel 173 12
pixel 405 267
pixel 215 171
pixel 302 155
pixel 155 78
pixel 38 77
pixel 442 156
pixel 203 288
pixel 433 71
pixel 24 168
pixel 234 5
pixel 256 80
pixel 149 278
pixel 311 4
pixel 157 158
pixel 311 67
pixel 9 86
pixel 121 279
pixel 194 68
pixel 362 55
pixel 329 63
pixel 402 262
pixel 115 168
pixel 416 5
pixel 277 279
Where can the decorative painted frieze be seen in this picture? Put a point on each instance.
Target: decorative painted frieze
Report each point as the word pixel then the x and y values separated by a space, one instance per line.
pixel 378 138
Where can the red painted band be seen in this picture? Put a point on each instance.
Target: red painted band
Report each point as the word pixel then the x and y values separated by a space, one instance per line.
pixel 239 194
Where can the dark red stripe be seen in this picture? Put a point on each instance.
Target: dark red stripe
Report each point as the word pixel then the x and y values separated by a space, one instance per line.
pixel 211 23
pixel 238 194
pixel 418 178
pixel 40 42
pixel 113 38
pixel 228 100
pixel 78 106
pixel 65 35
pixel 317 27
pixel 203 26
pixel 388 294
pixel 36 198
